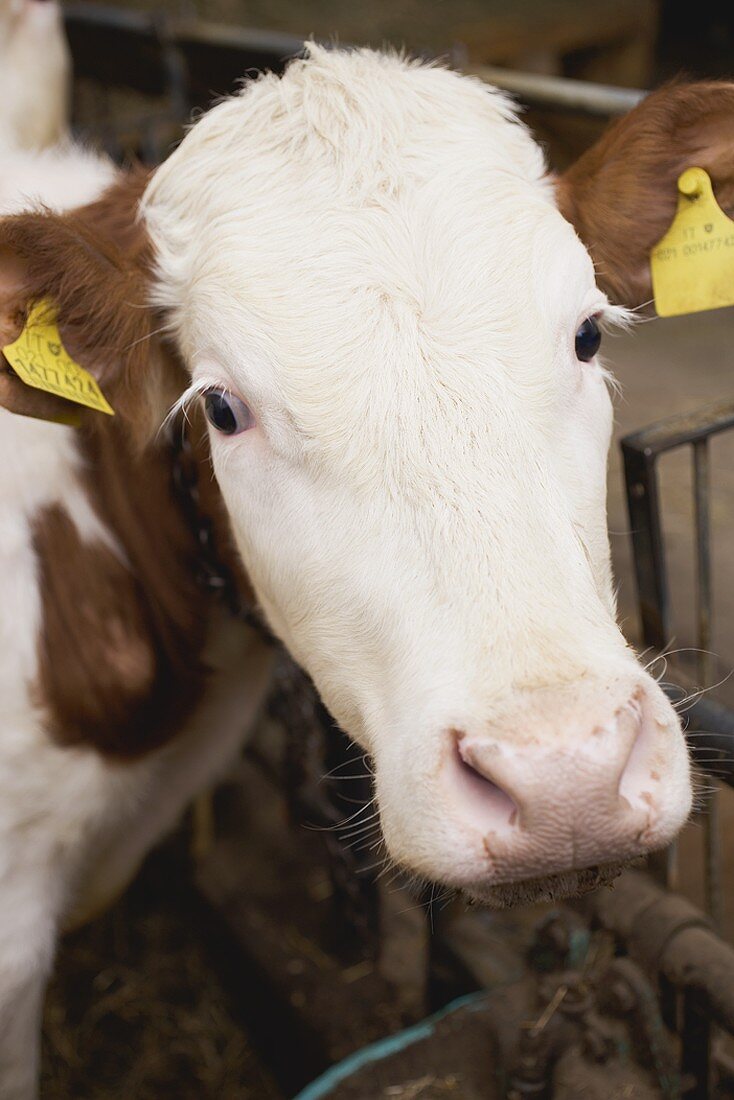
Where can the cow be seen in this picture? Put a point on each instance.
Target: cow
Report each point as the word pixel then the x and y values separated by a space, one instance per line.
pixel 35 71
pixel 380 317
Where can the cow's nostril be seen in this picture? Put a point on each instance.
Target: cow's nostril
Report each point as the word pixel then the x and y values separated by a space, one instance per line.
pixel 475 792
pixel 638 779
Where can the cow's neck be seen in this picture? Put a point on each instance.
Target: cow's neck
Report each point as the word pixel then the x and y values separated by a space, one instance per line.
pixel 125 615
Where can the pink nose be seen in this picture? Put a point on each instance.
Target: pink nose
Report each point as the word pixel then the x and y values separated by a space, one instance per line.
pixel 569 796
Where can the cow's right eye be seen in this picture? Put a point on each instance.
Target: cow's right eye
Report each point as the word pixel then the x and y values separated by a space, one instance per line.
pixel 588 339
pixel 227 413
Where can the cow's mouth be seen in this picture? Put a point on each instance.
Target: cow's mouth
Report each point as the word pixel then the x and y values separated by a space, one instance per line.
pixel 565 884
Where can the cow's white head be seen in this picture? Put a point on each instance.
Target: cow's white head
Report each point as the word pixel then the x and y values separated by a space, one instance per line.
pixel 396 332
pixel 34 74
pixel 367 273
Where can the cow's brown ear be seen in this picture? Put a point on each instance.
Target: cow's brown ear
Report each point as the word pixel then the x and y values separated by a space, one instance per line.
pixel 94 265
pixel 621 195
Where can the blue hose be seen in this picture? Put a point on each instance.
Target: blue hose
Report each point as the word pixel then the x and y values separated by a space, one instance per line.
pixel 383 1048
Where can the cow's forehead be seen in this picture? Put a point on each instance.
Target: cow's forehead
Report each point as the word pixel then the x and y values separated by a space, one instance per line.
pixel 361 137
pixel 352 113
pixel 359 219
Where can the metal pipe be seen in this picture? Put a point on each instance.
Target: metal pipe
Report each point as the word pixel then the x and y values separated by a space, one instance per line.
pixel 561 94
pixel 537 90
pixel 669 936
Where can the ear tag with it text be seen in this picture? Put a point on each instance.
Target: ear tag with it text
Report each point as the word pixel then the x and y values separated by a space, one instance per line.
pixel 40 359
pixel 692 266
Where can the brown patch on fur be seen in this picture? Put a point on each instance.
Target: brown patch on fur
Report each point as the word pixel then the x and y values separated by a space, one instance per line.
pixel 621 194
pixel 120 660
pixel 121 653
pixel 123 636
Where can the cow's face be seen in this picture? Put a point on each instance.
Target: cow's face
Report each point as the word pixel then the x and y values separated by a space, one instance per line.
pixel 395 332
pixel 34 74
pixel 393 326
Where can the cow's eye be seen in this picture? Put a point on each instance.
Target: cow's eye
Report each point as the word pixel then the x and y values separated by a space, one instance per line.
pixel 588 339
pixel 227 413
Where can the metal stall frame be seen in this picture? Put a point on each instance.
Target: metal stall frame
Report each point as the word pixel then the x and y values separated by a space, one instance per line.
pixel 181 60
pixel 709 720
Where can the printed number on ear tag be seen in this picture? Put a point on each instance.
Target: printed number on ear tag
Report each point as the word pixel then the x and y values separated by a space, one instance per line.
pixel 692 266
pixel 40 359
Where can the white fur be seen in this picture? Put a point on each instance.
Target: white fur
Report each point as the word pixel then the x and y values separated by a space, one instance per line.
pixel 34 74
pixel 56 178
pixel 368 252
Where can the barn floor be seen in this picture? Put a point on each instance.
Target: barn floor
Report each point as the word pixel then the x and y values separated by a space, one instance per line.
pixel 135 1008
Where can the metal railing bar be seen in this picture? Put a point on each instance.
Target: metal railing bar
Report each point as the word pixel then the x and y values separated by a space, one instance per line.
pixel 216 34
pixel 534 89
pixel 712 857
pixel 234 37
pixel 701 470
pixel 688 427
pixel 559 93
pixel 712 722
pixel 104 15
pixel 643 505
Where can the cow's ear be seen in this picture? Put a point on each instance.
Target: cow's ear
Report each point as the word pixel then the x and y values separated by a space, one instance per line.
pixel 621 195
pixel 93 266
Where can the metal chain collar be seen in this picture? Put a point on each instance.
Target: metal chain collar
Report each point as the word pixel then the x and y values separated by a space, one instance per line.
pixel 213 575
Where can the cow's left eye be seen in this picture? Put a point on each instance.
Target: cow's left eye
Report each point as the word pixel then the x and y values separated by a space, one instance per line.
pixel 588 339
pixel 227 413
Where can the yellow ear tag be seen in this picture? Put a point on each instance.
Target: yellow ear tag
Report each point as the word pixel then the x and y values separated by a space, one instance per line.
pixel 40 359
pixel 693 265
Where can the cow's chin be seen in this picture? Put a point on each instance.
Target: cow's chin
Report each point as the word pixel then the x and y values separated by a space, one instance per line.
pixel 565 884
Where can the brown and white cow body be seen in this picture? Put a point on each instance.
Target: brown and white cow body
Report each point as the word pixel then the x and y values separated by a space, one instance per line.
pixel 363 272
pixel 108 726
